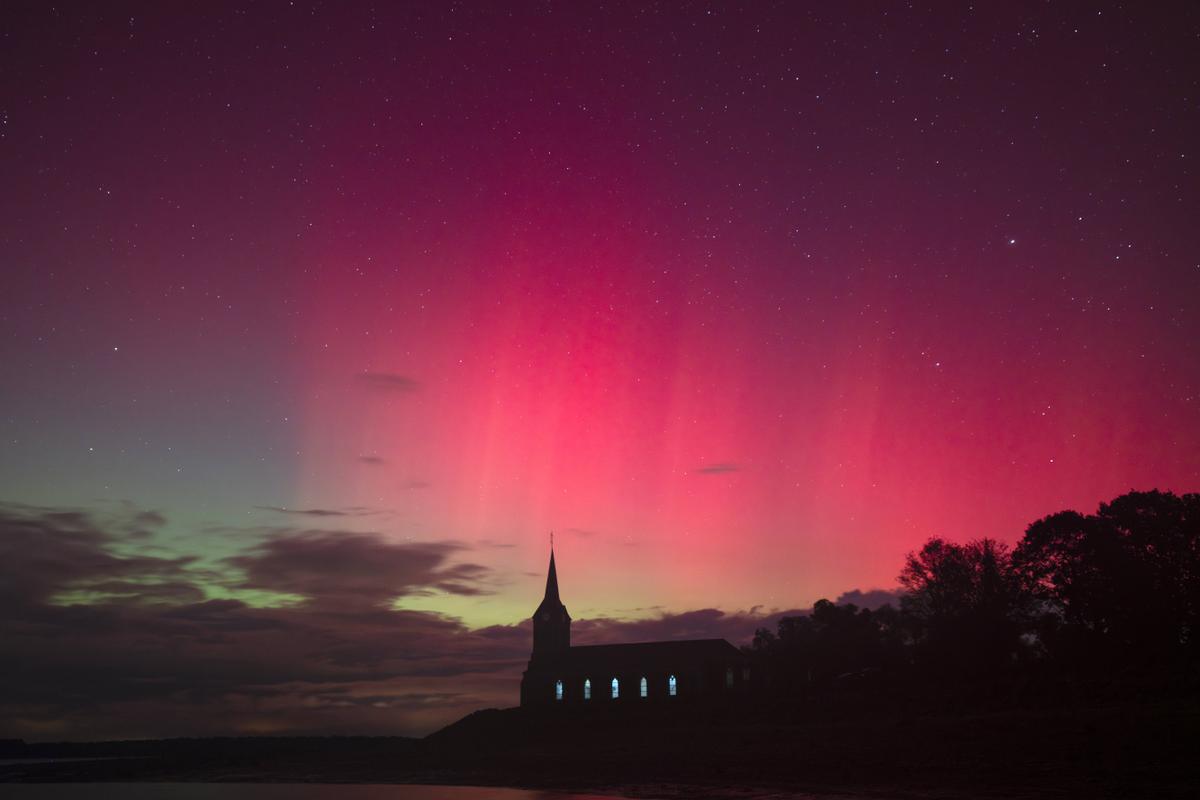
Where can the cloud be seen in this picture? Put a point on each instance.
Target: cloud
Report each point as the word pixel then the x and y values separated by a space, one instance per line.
pixel 149 519
pixel 44 551
pixel 172 592
pixel 142 524
pixel 145 653
pixel 223 667
pixel 389 381
pixel 705 623
pixel 374 461
pixel 353 568
pixel 115 646
pixel 581 532
pixel 872 598
pixel 717 469
pixel 499 545
pixel 320 512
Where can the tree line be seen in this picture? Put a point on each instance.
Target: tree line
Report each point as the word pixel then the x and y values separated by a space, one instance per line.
pixel 1084 606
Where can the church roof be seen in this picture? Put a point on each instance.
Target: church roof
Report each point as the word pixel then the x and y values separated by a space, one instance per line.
pixel 651 655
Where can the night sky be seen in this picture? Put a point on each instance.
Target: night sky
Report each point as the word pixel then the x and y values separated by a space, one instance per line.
pixel 315 321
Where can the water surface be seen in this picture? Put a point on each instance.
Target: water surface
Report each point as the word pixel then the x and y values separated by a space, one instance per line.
pixel 272 791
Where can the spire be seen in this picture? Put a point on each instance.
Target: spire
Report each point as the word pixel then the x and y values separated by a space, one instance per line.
pixel 552 577
pixel 551 601
pixel 551 622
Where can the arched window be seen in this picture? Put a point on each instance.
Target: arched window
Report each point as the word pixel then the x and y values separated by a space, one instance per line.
pixel 729 678
pixel 558 690
pixel 587 688
pixel 616 688
pixel 644 687
pixel 671 686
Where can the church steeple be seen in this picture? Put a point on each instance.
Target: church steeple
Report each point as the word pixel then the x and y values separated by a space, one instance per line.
pixel 551 582
pixel 551 622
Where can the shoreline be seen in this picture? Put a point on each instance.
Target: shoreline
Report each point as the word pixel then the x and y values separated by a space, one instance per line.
pixel 1126 750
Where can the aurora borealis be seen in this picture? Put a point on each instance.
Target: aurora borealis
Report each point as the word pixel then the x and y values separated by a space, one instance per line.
pixel 321 319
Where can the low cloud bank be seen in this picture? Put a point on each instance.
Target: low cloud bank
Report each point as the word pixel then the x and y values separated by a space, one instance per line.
pixel 105 645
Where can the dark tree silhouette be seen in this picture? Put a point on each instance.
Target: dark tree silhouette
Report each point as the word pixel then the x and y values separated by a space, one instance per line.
pixel 1120 588
pixel 965 606
pixel 1105 602
pixel 834 645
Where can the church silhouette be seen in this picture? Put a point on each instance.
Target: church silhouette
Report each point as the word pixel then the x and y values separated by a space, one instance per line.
pixel 674 671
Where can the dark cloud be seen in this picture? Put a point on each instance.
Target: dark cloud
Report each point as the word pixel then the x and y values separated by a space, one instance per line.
pixel 374 461
pixel 416 483
pixel 389 381
pixel 717 469
pixel 872 598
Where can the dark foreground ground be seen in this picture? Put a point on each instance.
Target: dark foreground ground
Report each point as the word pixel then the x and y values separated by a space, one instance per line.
pixel 1127 750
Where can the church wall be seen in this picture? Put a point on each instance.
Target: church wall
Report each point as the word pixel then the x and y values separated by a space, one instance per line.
pixel 538 684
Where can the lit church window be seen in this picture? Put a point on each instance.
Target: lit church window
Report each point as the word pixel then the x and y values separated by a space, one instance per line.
pixel 587 689
pixel 616 688
pixel 644 687
pixel 558 690
pixel 671 686
pixel 729 678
